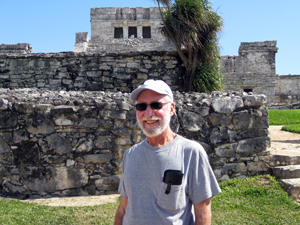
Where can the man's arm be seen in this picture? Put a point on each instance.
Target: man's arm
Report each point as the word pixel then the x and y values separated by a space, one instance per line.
pixel 203 212
pixel 121 211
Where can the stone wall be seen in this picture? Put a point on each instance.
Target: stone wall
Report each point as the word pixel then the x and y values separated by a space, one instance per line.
pixel 60 143
pixel 253 70
pixel 20 48
pixel 287 89
pixel 88 71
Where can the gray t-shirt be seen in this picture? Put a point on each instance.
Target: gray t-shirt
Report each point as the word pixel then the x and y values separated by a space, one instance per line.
pixel 142 182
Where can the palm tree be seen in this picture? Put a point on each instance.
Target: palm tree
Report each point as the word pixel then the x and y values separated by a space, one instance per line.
pixel 193 26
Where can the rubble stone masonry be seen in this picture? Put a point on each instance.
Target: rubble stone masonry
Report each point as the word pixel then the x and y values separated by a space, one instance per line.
pixel 68 143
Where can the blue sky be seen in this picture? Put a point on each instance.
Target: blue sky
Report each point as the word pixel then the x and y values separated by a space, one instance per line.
pixel 50 25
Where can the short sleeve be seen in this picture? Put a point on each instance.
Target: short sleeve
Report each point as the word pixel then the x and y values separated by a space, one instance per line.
pixel 202 183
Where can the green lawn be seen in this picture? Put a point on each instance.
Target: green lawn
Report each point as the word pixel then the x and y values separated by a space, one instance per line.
pixel 290 119
pixel 253 200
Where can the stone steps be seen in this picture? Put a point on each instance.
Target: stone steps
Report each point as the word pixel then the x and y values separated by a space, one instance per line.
pixel 292 187
pixel 287 172
pixel 285 165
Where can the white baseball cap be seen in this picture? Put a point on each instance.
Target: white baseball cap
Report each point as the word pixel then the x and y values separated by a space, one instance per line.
pixel 158 86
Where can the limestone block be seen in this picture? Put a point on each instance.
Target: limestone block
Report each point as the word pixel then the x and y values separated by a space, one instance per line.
pixel 14 188
pixel 3 104
pixel 53 178
pixel 27 153
pixel 95 159
pixel 20 135
pixel 104 142
pixel 55 159
pixel 121 132
pixel 70 163
pixel 192 122
pixel 251 146
pixel 108 183
pixel 259 167
pixel 59 144
pixel 226 150
pixel 219 119
pixel 117 115
pixel 227 105
pixel 254 100
pixel 234 168
pixel 8 119
pixel 40 124
pixel 219 135
pixel 89 123
pixel 63 122
pixel 83 146
pixel 63 109
pixel 249 119
pixel 24 107
pixel 4 147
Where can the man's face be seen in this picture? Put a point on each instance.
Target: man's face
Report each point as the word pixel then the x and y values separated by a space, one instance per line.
pixel 154 122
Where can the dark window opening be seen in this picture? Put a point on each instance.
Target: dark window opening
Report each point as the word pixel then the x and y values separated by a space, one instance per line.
pixel 146 32
pixel 132 31
pixel 118 32
pixel 248 90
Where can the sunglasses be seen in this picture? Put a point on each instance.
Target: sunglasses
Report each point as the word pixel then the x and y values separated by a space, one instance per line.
pixel 153 105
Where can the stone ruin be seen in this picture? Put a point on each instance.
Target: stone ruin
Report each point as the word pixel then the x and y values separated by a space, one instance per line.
pixel 69 143
pixel 124 30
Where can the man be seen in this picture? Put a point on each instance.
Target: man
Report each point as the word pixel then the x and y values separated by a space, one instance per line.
pixel 166 178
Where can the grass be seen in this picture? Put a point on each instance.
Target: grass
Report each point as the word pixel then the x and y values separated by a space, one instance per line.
pixel 253 200
pixel 290 119
pixel 13 212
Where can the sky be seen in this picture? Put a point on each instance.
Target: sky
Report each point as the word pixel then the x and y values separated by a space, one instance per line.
pixel 51 25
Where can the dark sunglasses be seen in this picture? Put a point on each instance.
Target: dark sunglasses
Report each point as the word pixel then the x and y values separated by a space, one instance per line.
pixel 153 105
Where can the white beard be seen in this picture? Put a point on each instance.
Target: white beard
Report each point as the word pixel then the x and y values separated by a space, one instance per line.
pixel 157 130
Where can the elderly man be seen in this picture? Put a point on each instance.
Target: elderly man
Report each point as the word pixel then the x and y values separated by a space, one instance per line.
pixel 166 178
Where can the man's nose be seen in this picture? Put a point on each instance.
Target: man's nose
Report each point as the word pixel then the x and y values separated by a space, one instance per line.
pixel 149 111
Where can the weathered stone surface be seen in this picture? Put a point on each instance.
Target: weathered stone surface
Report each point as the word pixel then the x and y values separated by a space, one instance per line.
pixel 252 146
pixel 3 104
pixel 27 154
pixel 103 142
pixel 20 135
pixel 95 158
pixel 24 107
pixel 53 178
pixel 4 147
pixel 40 124
pixel 80 137
pixel 108 183
pixel 218 119
pixel 227 105
pixel 59 144
pixel 83 146
pixel 255 100
pixel 249 119
pixel 192 122
pixel 226 150
pixel 89 123
pixel 8 120
pixel 63 122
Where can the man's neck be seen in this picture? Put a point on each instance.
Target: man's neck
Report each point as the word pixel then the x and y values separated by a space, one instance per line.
pixel 163 139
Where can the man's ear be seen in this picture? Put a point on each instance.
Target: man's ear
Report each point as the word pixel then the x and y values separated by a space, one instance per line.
pixel 172 111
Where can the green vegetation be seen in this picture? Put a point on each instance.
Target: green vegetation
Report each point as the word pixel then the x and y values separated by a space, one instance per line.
pixel 253 200
pixel 14 212
pixel 194 25
pixel 289 118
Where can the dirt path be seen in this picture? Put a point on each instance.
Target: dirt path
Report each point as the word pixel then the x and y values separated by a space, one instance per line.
pixel 281 142
pixel 284 142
